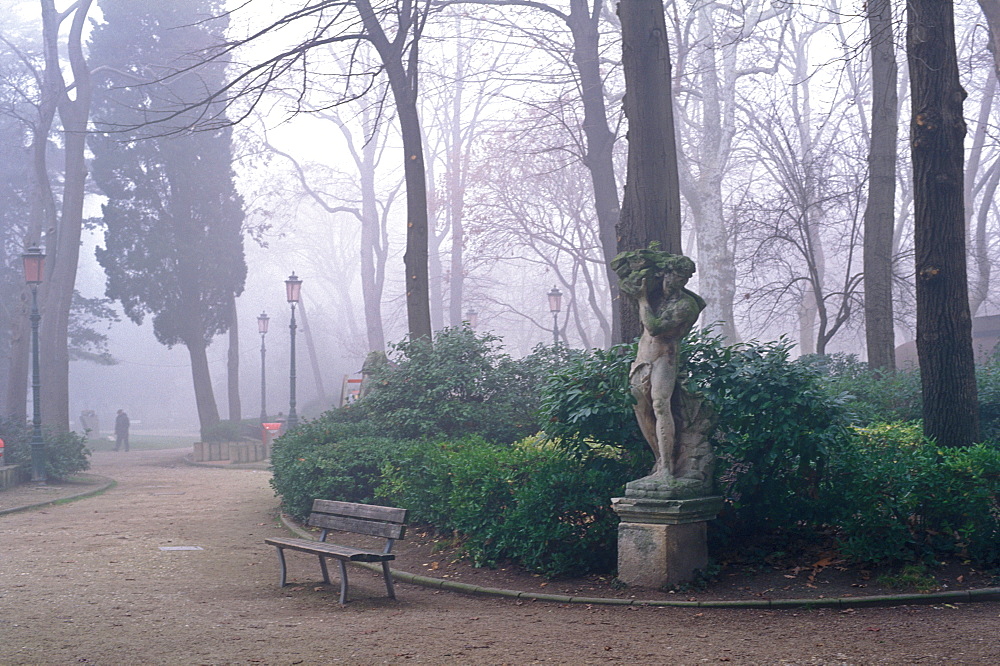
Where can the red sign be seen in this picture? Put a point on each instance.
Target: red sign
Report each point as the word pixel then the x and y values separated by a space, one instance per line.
pixel 273 427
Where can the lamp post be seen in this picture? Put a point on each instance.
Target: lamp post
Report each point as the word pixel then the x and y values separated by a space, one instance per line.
pixel 293 289
pixel 262 322
pixel 472 317
pixel 34 267
pixel 555 305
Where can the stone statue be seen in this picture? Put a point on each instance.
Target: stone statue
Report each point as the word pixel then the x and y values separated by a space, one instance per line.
pixel 675 422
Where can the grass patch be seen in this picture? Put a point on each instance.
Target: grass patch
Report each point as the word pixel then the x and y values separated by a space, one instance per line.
pixel 144 442
pixel 911 577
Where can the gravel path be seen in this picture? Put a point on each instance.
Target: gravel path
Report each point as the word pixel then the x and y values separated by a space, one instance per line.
pixel 88 582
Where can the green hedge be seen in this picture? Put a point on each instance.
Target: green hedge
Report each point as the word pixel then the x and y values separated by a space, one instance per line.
pixel 528 503
pixel 328 459
pixel 901 498
pixel 461 384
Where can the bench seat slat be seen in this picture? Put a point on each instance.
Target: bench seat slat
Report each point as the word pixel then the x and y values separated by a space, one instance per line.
pixel 330 550
pixel 388 514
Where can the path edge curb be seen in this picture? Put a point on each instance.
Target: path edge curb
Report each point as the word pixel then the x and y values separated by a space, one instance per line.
pixel 106 484
pixel 839 603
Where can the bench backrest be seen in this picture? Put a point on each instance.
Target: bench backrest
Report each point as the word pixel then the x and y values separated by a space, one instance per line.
pixel 381 521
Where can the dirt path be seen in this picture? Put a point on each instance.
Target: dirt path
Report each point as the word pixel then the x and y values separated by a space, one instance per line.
pixel 88 582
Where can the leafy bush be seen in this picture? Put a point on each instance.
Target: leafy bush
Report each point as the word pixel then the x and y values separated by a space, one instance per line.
pixel 777 425
pixel 528 503
pixel 587 404
pixel 902 498
pixel 65 452
pixel 462 384
pixel 327 459
pixel 870 396
pixel 776 422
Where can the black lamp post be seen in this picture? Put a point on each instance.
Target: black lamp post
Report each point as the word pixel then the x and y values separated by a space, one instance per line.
pixel 555 305
pixel 293 289
pixel 34 268
pixel 472 317
pixel 262 322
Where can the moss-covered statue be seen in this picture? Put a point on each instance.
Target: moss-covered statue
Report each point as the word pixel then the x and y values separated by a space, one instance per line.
pixel 675 422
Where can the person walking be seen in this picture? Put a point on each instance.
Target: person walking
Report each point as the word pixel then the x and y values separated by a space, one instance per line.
pixel 121 429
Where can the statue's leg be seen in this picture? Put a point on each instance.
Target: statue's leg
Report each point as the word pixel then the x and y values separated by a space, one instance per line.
pixel 663 379
pixel 639 382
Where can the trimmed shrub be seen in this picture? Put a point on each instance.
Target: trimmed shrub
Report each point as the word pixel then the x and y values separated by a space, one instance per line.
pixel 529 503
pixel 777 424
pixel 66 453
pixel 901 498
pixel 460 385
pixel 327 460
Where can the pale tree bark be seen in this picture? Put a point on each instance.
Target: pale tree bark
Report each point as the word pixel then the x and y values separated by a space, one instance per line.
pixel 978 180
pixel 651 209
pixel 63 247
pixel 937 132
pixel 879 214
pixel 710 109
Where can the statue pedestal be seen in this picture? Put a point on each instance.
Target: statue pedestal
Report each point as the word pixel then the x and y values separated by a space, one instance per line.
pixel 662 542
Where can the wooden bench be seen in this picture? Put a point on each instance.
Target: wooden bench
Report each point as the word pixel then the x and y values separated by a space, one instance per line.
pixel 378 521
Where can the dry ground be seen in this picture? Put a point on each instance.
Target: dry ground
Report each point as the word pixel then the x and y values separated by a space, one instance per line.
pixel 87 582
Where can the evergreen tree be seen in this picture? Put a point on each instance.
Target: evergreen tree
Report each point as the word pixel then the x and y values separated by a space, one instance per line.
pixel 173 240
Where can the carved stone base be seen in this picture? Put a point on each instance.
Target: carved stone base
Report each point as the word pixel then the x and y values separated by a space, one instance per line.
pixel 662 543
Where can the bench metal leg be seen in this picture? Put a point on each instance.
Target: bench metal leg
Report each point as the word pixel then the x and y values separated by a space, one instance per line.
pixel 388 580
pixel 326 572
pixel 343 582
pixel 281 561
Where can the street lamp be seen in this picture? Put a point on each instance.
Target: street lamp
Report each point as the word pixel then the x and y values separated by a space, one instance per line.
pixel 34 268
pixel 293 289
pixel 262 321
pixel 555 304
pixel 472 317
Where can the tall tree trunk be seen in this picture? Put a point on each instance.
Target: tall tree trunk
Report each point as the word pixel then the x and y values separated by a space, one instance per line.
pixel 975 231
pixel 879 213
pixel 403 83
pixel 233 365
pixel 208 412
pixel 64 253
pixel 313 356
pixel 599 159
pixel 717 274
pixel 937 131
pixel 372 250
pixel 651 210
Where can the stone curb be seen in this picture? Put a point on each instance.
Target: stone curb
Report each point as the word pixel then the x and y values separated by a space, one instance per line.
pixel 106 484
pixel 841 603
pixel 262 466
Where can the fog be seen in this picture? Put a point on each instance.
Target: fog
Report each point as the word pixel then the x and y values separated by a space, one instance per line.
pixel 772 105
